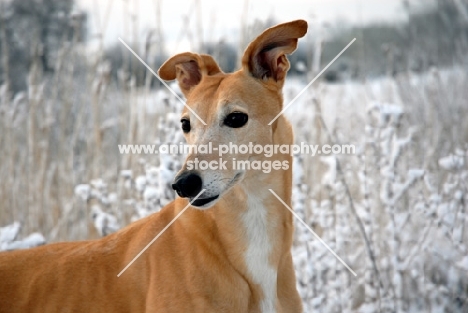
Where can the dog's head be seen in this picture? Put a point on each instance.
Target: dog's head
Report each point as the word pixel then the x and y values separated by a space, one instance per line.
pixel 230 110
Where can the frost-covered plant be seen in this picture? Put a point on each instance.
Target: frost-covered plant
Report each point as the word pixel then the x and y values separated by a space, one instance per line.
pixel 408 228
pixel 146 189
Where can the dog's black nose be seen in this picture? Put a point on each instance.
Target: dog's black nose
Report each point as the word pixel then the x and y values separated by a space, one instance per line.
pixel 188 185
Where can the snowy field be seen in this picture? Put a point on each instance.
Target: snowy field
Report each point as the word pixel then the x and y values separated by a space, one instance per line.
pixel 395 211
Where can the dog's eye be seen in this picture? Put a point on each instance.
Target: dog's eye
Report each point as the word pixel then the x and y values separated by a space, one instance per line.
pixel 185 125
pixel 236 119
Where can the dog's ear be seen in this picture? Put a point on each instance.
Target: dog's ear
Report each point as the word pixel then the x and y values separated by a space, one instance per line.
pixel 265 57
pixel 189 69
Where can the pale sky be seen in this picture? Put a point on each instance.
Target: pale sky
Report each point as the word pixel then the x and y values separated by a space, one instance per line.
pixel 222 19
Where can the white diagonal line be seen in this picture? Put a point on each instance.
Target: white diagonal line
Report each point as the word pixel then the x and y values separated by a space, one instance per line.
pixel 160 233
pixel 162 81
pixel 313 233
pixel 313 80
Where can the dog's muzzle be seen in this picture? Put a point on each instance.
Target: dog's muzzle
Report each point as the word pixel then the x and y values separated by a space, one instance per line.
pixel 189 185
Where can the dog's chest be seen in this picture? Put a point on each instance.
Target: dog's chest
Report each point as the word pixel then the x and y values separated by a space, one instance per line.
pixel 258 253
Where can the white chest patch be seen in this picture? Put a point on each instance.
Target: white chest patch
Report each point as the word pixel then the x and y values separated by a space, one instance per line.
pixel 258 252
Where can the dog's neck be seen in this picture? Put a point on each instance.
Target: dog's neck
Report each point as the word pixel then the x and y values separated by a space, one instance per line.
pixel 251 214
pixel 252 227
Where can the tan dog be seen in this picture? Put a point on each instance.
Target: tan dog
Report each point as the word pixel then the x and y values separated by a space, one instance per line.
pixel 234 256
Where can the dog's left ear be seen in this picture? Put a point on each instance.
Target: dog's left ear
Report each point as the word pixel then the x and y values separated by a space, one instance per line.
pixel 189 69
pixel 265 57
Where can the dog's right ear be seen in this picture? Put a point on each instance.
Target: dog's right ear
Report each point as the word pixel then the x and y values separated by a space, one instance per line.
pixel 265 57
pixel 189 69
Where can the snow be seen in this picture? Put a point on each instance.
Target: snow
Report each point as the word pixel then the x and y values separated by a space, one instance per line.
pixel 452 162
pixel 463 264
pixel 140 183
pixel 127 174
pixel 330 177
pixel 33 240
pixel 151 193
pixel 83 191
pixel 414 174
pixel 9 241
pixel 104 222
pixel 98 184
pixel 9 232
pixel 152 175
